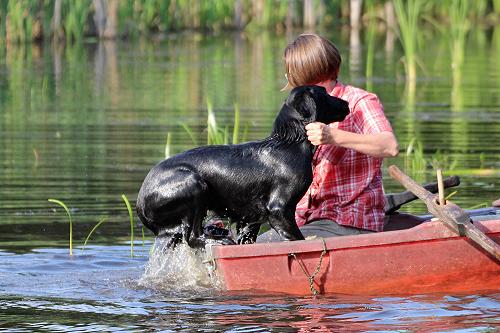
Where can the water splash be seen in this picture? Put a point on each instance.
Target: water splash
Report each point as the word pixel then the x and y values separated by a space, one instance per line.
pixel 180 269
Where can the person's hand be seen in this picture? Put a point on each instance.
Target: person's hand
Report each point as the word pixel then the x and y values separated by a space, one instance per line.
pixel 319 134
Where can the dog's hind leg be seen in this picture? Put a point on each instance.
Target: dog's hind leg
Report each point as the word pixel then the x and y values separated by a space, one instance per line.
pixel 173 236
pixel 196 210
pixel 192 226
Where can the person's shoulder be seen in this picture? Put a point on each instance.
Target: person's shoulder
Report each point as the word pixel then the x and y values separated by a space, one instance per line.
pixel 355 95
pixel 358 93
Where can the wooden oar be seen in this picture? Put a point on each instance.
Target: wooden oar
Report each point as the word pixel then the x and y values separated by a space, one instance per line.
pixel 453 216
pixel 394 201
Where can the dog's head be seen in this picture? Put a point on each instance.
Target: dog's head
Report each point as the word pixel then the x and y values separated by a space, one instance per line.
pixel 313 103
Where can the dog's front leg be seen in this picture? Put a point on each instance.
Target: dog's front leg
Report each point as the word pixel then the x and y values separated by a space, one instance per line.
pixel 249 233
pixel 282 220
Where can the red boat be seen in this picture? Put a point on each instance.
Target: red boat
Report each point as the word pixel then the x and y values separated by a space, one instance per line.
pixel 427 258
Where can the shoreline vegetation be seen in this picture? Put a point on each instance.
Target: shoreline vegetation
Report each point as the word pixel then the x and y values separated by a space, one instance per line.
pixel 72 20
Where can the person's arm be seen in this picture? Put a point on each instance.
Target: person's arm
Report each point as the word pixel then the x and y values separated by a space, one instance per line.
pixel 383 144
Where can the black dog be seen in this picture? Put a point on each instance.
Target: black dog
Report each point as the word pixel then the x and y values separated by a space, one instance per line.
pixel 250 183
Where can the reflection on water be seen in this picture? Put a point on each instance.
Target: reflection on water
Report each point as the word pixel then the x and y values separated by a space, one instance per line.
pixel 84 123
pixel 101 289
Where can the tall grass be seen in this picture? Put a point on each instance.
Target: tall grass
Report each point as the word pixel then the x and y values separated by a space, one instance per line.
pixel 168 145
pixel 415 161
pixel 92 231
pixel 408 14
pixel 76 17
pixel 459 26
pixel 19 20
pixel 60 203
pixel 131 217
pixel 370 53
pixel 143 17
pixel 217 135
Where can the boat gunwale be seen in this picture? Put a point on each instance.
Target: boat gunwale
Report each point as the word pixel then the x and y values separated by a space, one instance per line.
pixel 428 231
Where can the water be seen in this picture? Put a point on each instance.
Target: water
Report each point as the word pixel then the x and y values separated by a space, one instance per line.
pixel 84 123
pixel 103 289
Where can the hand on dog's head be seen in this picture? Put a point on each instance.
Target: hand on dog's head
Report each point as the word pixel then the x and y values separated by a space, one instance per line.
pixel 315 105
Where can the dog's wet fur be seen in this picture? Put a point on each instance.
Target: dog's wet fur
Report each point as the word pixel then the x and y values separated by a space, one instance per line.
pixel 250 183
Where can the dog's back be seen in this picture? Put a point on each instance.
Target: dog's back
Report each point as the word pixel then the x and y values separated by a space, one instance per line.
pixel 238 178
pixel 251 183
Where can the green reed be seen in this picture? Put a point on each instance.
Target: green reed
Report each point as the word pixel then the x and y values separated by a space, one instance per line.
pixel 370 52
pixel 76 18
pixel 30 19
pixel 168 144
pixel 414 160
pixel 443 161
pixel 217 135
pixel 236 126
pixel 459 25
pixel 189 131
pixel 496 7
pixel 407 14
pixel 19 26
pixel 70 223
pixel 129 208
pixel 92 231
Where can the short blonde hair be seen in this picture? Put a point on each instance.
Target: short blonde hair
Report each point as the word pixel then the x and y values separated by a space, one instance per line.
pixel 311 59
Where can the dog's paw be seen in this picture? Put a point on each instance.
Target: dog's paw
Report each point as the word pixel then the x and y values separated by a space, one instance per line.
pixel 175 240
pixel 246 239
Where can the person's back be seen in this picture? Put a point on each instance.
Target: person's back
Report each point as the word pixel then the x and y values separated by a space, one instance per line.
pixel 346 195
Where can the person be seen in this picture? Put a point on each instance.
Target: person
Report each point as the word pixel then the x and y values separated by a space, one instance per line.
pixel 346 194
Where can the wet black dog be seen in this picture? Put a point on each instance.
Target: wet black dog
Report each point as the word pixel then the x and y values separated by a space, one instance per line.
pixel 250 183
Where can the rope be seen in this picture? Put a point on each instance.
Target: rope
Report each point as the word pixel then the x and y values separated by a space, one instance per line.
pixel 316 271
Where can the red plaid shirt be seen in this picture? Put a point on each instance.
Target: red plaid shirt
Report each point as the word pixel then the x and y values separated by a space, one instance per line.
pixel 347 185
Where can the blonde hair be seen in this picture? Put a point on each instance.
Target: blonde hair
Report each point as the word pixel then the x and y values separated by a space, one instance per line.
pixel 311 59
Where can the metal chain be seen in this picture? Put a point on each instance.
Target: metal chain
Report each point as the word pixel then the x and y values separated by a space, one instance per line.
pixel 316 271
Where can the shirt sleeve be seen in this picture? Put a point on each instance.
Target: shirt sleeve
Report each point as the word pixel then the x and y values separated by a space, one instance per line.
pixel 369 117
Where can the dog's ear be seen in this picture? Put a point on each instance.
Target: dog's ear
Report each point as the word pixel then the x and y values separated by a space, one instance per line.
pixel 336 108
pixel 301 99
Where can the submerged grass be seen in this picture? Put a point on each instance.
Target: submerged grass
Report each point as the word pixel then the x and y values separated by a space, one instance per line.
pixel 60 203
pixel 91 231
pixel 129 208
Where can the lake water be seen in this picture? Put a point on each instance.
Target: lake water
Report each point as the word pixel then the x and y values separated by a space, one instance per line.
pixel 84 123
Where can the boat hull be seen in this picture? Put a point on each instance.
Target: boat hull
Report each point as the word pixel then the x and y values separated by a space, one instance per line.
pixel 425 259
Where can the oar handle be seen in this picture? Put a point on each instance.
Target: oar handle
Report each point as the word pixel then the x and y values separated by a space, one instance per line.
pixel 450 214
pixel 410 184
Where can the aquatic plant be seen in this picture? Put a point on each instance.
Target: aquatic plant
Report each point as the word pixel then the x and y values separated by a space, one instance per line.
pixel 19 22
pixel 76 19
pixel 407 14
pixel 92 231
pixel 129 208
pixel 236 126
pixel 217 135
pixel 443 161
pixel 414 159
pixel 190 133
pixel 370 52
pixel 168 144
pixel 479 205
pixel 60 203
pixel 33 19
